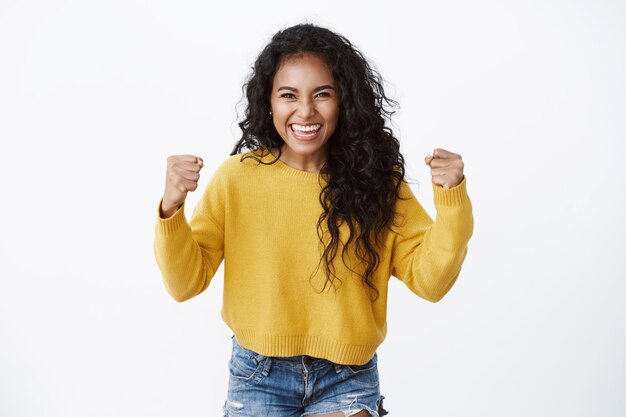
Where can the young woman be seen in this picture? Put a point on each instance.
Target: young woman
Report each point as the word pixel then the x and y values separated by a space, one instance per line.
pixel 311 222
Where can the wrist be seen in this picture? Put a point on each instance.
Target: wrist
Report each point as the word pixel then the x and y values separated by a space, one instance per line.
pixel 168 209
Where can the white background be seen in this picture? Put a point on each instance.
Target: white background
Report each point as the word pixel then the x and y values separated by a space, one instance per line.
pixel 94 95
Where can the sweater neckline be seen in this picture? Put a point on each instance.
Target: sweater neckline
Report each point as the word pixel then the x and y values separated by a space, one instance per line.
pixel 308 176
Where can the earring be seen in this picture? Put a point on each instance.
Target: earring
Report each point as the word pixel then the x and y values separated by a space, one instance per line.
pixel 270 112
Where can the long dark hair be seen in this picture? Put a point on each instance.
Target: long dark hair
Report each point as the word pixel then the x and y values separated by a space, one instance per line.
pixel 364 168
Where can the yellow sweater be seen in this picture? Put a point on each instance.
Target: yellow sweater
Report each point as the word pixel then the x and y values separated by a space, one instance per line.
pixel 261 220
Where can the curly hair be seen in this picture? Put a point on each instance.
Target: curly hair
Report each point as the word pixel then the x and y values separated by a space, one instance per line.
pixel 364 168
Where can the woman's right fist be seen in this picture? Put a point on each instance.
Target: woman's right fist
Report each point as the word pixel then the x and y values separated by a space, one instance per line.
pixel 183 172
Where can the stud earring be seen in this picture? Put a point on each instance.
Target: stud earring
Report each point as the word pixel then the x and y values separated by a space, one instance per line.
pixel 270 112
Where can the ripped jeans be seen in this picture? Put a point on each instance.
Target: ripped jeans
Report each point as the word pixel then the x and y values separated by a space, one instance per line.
pixel 299 386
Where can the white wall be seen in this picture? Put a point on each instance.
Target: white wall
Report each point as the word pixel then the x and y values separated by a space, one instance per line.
pixel 94 95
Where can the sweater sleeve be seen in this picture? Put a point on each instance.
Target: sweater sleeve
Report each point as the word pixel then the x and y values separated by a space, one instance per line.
pixel 427 255
pixel 189 253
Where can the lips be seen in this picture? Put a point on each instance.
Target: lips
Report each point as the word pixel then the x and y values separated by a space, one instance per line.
pixel 305 135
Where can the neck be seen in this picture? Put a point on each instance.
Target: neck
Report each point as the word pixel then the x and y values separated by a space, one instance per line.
pixel 309 163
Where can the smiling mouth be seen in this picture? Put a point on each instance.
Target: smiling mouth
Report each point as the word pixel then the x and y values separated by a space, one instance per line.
pixel 305 131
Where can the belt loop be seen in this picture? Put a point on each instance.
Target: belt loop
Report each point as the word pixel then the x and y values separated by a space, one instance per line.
pixel 267 366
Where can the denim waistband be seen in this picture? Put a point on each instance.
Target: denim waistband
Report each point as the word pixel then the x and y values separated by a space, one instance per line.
pixel 300 361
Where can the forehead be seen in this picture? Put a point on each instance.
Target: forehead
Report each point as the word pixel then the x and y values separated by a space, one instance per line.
pixel 303 69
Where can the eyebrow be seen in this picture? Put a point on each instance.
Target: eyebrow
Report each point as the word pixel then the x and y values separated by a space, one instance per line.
pixel 315 90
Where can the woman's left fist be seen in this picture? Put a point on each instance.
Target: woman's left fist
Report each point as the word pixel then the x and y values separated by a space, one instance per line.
pixel 446 168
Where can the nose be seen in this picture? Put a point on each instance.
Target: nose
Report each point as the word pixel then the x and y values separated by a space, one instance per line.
pixel 306 108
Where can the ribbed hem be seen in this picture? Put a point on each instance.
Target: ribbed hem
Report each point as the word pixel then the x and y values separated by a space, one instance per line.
pixel 455 196
pixel 267 156
pixel 295 345
pixel 170 225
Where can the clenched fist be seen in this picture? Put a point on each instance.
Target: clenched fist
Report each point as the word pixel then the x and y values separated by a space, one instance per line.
pixel 183 172
pixel 446 168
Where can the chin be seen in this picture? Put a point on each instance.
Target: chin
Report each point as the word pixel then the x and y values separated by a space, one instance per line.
pixel 304 148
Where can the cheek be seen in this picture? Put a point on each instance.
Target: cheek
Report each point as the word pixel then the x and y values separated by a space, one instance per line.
pixel 331 112
pixel 281 111
pixel 279 125
pixel 277 115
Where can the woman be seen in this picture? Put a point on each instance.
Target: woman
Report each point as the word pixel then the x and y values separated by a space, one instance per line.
pixel 311 222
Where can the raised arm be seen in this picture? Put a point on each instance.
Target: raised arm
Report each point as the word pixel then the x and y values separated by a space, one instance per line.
pixel 188 253
pixel 427 255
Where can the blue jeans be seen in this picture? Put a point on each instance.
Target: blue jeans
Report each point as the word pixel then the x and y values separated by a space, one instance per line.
pixel 298 386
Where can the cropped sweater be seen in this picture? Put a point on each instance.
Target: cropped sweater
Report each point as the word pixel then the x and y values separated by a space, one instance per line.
pixel 261 220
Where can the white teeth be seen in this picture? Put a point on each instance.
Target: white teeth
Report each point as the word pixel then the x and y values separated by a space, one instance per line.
pixel 306 128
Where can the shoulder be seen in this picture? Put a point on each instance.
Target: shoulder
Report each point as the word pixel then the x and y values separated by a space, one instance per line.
pixel 233 162
pixel 239 164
